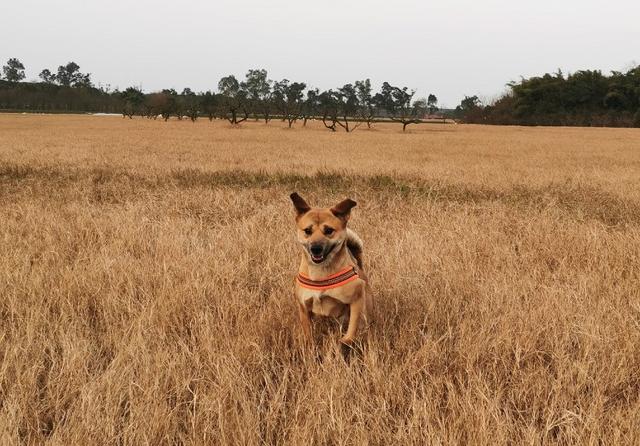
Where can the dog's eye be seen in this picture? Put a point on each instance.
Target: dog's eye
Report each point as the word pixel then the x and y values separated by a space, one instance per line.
pixel 307 231
pixel 328 230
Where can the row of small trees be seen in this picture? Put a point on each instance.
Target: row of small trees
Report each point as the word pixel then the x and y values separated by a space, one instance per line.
pixel 257 96
pixel 347 107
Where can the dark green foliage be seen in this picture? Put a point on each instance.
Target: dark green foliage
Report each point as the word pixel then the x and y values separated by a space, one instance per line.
pixel 398 103
pixel 191 104
pixel 69 75
pixel 47 76
pixel 288 99
pixel 233 99
pixel 432 104
pixel 365 101
pixel 46 97
pixel 133 99
pixel 258 88
pixel 14 70
pixel 586 97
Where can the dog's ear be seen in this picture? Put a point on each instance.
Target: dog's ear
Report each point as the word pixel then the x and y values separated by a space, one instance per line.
pixel 342 210
pixel 298 202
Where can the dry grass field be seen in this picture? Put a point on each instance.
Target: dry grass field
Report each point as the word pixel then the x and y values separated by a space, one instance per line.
pixel 147 270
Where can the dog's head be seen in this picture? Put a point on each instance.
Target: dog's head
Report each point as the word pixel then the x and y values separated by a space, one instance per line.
pixel 321 231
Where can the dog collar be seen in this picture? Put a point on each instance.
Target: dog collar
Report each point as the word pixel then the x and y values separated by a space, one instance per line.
pixel 333 281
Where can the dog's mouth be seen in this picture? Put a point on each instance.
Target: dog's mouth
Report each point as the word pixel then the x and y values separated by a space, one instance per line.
pixel 322 256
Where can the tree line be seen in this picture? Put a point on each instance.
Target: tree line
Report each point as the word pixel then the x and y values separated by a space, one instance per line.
pixel 584 98
pixel 236 100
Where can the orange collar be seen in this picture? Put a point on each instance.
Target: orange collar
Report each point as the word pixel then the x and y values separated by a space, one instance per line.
pixel 333 281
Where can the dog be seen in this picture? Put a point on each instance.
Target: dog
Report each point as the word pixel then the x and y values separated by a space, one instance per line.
pixel 331 281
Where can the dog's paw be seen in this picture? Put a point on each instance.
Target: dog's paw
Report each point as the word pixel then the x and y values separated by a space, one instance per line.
pixel 346 340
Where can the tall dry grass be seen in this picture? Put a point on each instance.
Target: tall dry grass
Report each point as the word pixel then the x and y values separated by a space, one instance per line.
pixel 146 284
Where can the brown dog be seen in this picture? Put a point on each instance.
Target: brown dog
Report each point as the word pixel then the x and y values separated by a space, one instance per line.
pixel 330 281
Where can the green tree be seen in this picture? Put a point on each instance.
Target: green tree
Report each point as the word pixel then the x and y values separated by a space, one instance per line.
pixel 469 109
pixel 349 108
pixel 209 104
pixel 233 99
pixel 288 99
pixel 69 75
pixel 329 107
pixel 365 101
pixel 47 76
pixel 432 104
pixel 258 88
pixel 399 105
pixel 133 99
pixel 191 104
pixel 13 70
pixel 310 105
pixel 167 104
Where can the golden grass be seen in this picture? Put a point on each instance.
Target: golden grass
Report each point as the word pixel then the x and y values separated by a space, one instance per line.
pixel 146 284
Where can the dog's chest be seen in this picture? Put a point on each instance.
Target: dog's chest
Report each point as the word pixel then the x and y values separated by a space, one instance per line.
pixel 322 302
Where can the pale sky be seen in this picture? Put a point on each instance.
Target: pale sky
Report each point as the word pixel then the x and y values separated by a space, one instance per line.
pixel 449 48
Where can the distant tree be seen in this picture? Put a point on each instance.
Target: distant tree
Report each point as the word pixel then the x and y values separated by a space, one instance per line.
pixel 167 104
pixel 365 101
pixel 615 100
pixel 432 104
pixel 233 99
pixel 348 107
pixel 399 105
pixel 329 107
pixel 158 104
pixel 470 109
pixel 133 99
pixel 191 104
pixel 47 76
pixel 258 88
pixel 209 104
pixel 178 103
pixel 310 105
pixel 69 75
pixel 13 70
pixel 288 99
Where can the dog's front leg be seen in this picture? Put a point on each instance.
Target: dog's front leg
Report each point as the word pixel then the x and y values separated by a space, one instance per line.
pixel 305 320
pixel 355 312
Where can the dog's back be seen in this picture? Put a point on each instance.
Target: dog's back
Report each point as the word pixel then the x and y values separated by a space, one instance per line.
pixel 355 246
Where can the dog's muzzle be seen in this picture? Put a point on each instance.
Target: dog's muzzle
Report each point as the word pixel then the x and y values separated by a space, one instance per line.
pixel 317 253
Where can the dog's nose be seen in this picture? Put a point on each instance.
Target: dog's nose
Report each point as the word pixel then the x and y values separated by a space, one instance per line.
pixel 316 250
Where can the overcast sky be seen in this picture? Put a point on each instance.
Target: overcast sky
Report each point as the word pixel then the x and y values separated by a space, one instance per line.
pixel 449 48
